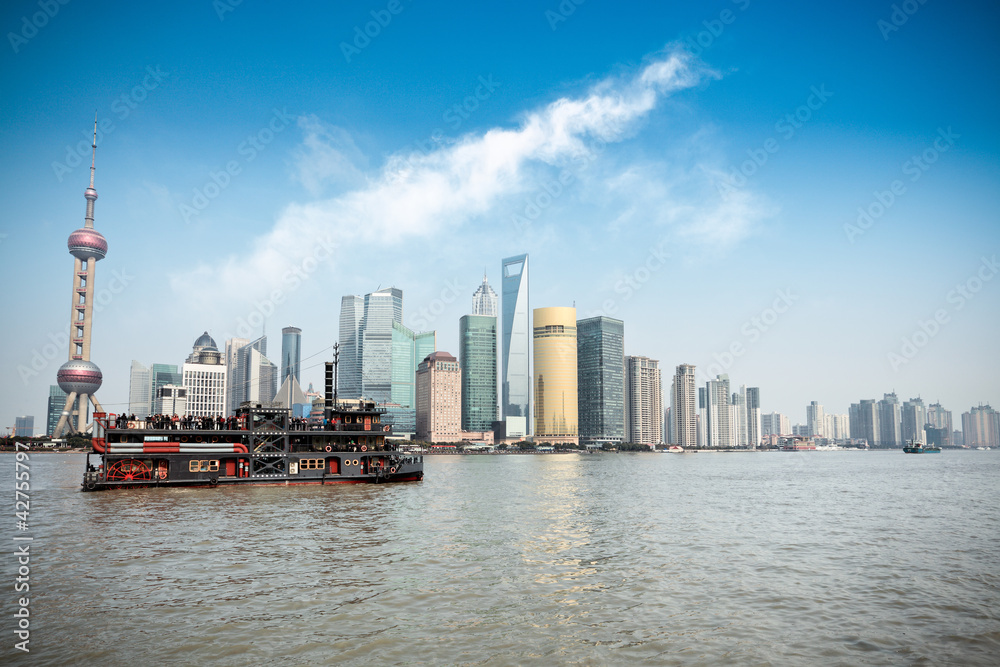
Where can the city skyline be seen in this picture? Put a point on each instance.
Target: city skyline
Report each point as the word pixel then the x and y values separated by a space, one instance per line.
pixel 780 224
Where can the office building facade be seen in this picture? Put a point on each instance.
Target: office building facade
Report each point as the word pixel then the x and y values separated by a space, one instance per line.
pixel 717 413
pixel 477 357
pixel 439 398
pixel 643 401
pixel 57 399
pixel 601 380
pixel 556 402
pixel 516 379
pixel 684 407
pixel 291 353
pixel 140 386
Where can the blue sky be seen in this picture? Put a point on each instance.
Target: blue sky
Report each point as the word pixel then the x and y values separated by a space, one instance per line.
pixel 690 169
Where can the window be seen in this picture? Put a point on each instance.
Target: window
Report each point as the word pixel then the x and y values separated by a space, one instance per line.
pixel 203 466
pixel 312 464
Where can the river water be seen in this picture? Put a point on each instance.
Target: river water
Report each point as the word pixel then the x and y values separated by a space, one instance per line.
pixel 875 558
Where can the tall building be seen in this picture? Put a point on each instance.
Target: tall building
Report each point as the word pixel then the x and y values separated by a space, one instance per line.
pixel 204 377
pixel 172 400
pixel 836 427
pixel 914 420
pixel 408 350
pixel 815 420
pixel 439 398
pixel 252 377
pixel 515 346
pixel 718 428
pixel 981 427
pixel 600 362
pixel 477 357
pixel 79 377
pixel 643 401
pixel 24 427
pixel 865 423
pixel 555 375
pixel 890 422
pixel 161 375
pixel 57 399
pixel 754 426
pixel 683 407
pixel 775 423
pixel 738 417
pixel 139 388
pixel 231 358
pixel 352 312
pixel 291 353
pixel 484 300
pixel 940 418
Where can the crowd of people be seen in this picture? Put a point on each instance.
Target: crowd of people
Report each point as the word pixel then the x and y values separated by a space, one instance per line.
pixel 175 422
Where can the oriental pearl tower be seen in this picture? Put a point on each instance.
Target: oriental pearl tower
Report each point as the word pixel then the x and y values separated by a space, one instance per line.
pixel 79 377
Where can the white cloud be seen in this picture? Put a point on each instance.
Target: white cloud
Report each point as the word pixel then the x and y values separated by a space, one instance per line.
pixel 423 194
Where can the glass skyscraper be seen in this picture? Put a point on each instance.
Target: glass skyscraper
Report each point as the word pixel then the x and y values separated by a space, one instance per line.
pixel 408 350
pixel 139 398
pixel 477 355
pixel 516 352
pixel 601 379
pixel 291 353
pixel 161 374
pixel 57 399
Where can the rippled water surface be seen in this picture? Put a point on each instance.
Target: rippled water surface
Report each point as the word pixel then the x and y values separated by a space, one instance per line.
pixel 771 558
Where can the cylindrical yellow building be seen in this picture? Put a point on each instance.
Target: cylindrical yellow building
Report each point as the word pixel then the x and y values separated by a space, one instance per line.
pixel 555 375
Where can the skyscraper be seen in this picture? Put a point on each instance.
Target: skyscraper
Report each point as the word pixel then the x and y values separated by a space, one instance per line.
pixel 484 300
pixel 352 312
pixel 864 422
pixel 515 346
pixel 914 420
pixel 555 380
pixel 477 357
pixel 79 377
pixel 718 428
pixel 815 420
pixel 408 350
pixel 439 400
pixel 775 423
pixel 291 353
pixel 601 379
pixel 981 427
pixel 24 426
pixel 738 418
pixel 890 422
pixel 643 401
pixel 160 376
pixel 139 390
pixel 940 418
pixel 754 426
pixel 684 408
pixel 57 398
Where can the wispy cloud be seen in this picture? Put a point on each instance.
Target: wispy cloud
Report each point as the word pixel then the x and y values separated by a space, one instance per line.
pixel 423 194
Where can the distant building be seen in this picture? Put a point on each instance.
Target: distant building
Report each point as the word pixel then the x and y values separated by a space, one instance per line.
pixel 291 353
pixel 754 425
pixel 914 420
pixel 173 400
pixel 139 390
pixel 408 350
pixel 439 398
pixel 161 374
pixel 254 377
pixel 683 407
pixel 204 378
pixel 815 420
pixel 718 426
pixel 643 401
pixel 235 393
pixel 600 360
pixel 836 427
pixel 515 344
pixel 864 422
pixel 890 421
pixel 24 427
pixel 57 399
pixel 775 423
pixel 981 427
pixel 555 375
pixel 477 356
pixel 940 418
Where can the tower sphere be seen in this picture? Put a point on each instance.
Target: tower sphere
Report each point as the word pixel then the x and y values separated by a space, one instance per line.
pixel 83 377
pixel 90 193
pixel 87 244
